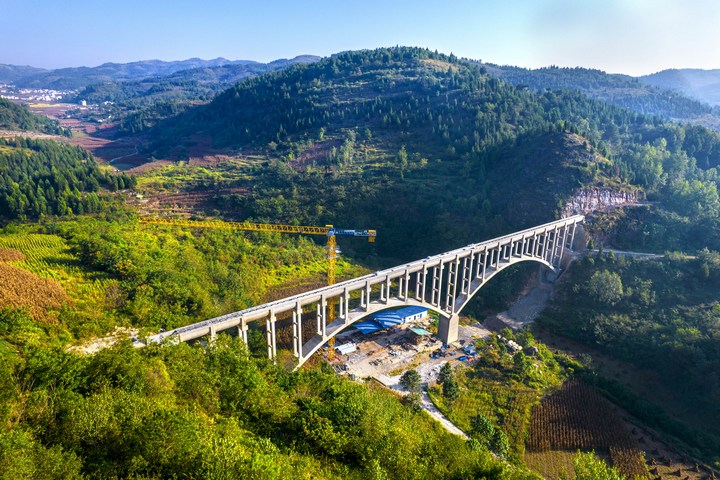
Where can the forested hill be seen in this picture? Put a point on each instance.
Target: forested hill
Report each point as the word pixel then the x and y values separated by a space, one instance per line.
pixel 703 85
pixel 637 95
pixel 407 140
pixel 436 98
pixel 12 73
pixel 141 103
pixel 18 117
pixel 44 177
pixel 193 83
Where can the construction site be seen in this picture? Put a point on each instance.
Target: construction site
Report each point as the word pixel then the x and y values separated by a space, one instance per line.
pixel 387 353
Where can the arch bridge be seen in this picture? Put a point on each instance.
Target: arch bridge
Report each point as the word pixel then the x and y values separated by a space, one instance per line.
pixel 444 283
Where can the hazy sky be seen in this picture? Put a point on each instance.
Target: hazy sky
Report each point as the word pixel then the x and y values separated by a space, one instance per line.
pixel 618 36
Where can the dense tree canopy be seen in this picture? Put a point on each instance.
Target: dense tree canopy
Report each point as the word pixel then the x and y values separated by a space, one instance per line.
pixel 19 117
pixel 43 177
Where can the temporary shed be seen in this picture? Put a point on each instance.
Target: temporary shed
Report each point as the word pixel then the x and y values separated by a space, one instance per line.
pixel 419 334
pixel 345 349
pixel 389 318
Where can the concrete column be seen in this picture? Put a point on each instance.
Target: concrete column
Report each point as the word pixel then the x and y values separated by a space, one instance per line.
pixel 368 289
pixel 424 284
pixel 471 267
pixel 436 286
pixel 452 276
pixel 466 275
pixel 454 286
pixel 243 330
pixel 324 317
pixel 543 245
pixel 448 329
pixel 572 237
pixel 485 261
pixel 297 330
pixel 318 319
pixel 274 336
pixel 418 276
pixel 406 295
pixel 211 332
pixel 387 288
pixel 345 305
pixel 269 335
pixel 562 244
pixel 295 334
pixel 556 245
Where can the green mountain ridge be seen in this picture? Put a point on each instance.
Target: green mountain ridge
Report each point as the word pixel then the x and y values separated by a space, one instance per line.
pixel 141 103
pixel 640 95
pixel 353 114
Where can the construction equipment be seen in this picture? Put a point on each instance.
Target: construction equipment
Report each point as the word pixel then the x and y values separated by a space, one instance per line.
pixel 328 230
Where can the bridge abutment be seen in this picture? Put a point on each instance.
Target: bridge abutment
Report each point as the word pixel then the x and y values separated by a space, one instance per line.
pixel 448 328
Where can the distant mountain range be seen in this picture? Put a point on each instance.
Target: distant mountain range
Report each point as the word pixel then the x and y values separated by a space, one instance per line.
pixel 13 73
pixel 76 78
pixel 635 94
pixel 703 85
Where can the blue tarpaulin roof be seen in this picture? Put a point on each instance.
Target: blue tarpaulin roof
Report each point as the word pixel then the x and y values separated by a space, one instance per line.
pixel 368 326
pixel 409 311
pixel 388 318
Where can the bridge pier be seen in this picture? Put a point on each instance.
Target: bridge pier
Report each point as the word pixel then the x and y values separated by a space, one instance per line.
pixel 448 328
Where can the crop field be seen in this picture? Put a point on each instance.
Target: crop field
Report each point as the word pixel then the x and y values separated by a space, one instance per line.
pixel 22 289
pixel 553 464
pixel 579 418
pixel 46 264
pixel 45 255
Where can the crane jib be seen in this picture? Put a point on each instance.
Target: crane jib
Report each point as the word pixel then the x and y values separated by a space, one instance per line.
pixel 341 232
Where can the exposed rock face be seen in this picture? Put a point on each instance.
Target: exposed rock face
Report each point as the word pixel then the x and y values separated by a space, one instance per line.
pixel 588 200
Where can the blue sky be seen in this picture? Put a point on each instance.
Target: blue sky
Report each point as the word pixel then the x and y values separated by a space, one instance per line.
pixel 618 36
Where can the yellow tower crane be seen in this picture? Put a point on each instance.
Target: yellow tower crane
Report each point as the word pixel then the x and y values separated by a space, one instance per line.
pixel 328 230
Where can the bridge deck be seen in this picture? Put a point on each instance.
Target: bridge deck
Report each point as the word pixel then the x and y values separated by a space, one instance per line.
pixel 547 243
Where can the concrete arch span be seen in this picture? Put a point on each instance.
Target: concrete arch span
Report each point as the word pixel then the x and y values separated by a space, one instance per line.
pixel 444 283
pixel 448 325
